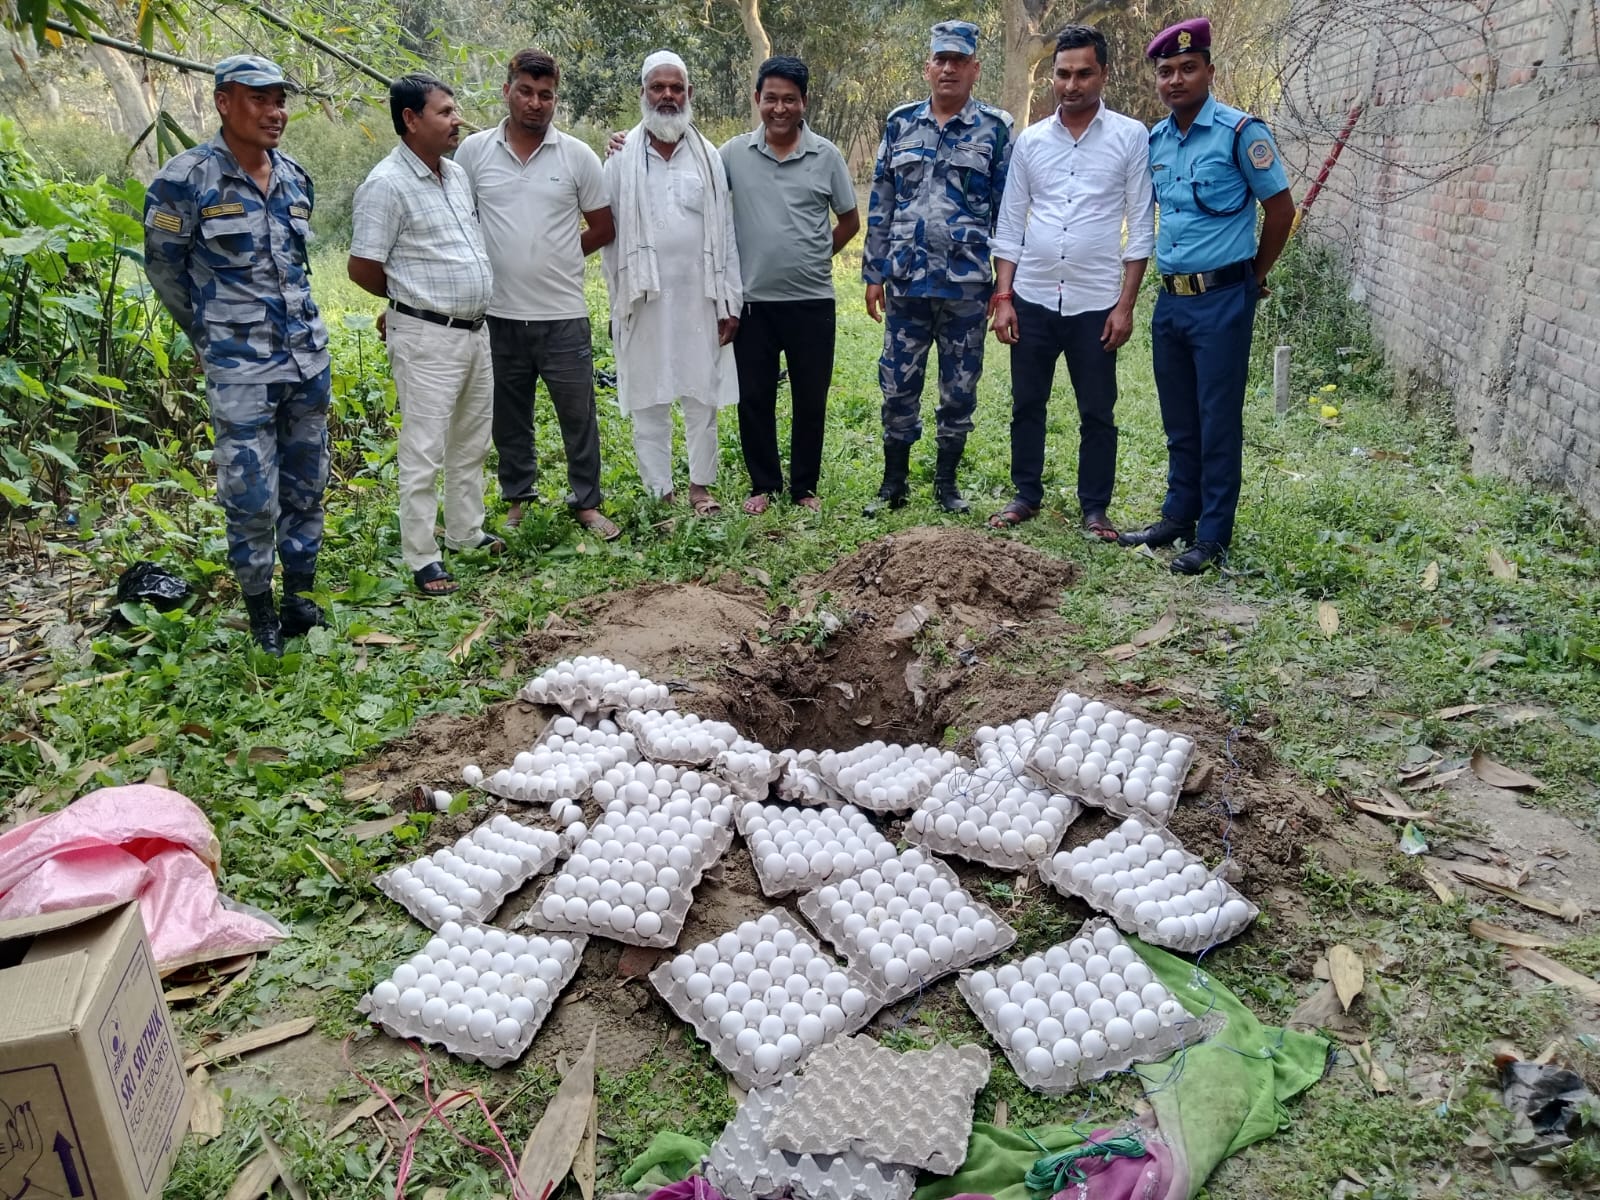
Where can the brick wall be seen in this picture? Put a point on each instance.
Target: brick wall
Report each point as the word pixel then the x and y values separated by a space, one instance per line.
pixel 1467 206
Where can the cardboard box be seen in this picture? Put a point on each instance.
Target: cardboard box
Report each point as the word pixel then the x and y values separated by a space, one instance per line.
pixel 92 1098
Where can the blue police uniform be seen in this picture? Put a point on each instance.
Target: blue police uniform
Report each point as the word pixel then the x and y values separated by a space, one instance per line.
pixel 230 264
pixel 1207 182
pixel 935 198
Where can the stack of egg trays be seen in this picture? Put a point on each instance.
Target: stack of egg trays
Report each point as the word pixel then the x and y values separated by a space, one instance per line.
pixel 549 793
pixel 789 880
pixel 1064 1079
pixel 916 782
pixel 1118 805
pixel 743 1165
pixel 800 782
pixel 811 909
pixel 550 847
pixel 859 1097
pixel 987 783
pixel 760 768
pixel 583 701
pixel 388 1018
pixel 671 919
pixel 690 1012
pixel 633 722
pixel 1124 916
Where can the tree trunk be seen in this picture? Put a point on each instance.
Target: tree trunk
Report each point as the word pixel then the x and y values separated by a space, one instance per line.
pixel 760 45
pixel 133 101
pixel 1025 48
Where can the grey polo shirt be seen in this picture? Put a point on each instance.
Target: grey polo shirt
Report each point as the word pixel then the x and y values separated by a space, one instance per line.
pixel 780 214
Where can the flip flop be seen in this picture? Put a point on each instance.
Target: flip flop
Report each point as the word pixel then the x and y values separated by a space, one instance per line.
pixel 602 527
pixel 1012 515
pixel 810 502
pixel 757 504
pixel 434 573
pixel 707 506
pixel 1096 525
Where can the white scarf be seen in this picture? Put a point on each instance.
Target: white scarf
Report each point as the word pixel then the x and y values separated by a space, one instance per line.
pixel 630 263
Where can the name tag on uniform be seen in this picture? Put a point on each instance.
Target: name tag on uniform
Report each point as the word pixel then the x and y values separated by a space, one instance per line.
pixel 235 209
pixel 164 220
pixel 301 211
pixel 1158 166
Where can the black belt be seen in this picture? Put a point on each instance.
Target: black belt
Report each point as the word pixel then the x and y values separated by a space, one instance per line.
pixel 1205 281
pixel 423 314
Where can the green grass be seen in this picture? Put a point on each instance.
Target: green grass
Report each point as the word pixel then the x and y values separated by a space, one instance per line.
pixel 1349 512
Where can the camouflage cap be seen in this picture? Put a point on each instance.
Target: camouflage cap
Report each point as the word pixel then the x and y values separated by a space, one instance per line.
pixel 954 37
pixel 252 71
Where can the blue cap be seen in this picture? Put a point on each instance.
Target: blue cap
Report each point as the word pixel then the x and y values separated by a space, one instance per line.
pixel 954 37
pixel 252 71
pixel 1186 37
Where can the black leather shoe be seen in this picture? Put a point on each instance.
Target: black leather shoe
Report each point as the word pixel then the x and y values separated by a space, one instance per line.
pixel 1163 533
pixel 1198 557
pixel 264 627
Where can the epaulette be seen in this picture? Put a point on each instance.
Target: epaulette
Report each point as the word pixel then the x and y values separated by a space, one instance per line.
pixel 998 113
pixel 900 109
pixel 293 162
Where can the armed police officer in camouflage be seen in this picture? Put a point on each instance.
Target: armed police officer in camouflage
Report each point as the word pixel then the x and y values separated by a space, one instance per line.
pixel 226 229
pixel 935 193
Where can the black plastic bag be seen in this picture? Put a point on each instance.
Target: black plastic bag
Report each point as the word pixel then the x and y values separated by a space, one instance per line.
pixel 149 583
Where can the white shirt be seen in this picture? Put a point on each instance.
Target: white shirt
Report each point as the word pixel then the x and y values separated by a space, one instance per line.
pixel 1064 207
pixel 530 214
pixel 668 347
pixel 420 227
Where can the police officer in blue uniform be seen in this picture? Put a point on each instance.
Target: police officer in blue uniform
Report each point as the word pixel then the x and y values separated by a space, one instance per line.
pixel 226 231
pixel 935 196
pixel 1212 164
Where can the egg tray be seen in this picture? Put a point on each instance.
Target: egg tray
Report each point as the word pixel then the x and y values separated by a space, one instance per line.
pixel 775 884
pixel 858 1097
pixel 723 1049
pixel 914 775
pixel 388 1018
pixel 1061 721
pixel 743 1165
pixel 549 791
pixel 987 782
pixel 757 769
pixel 1066 1078
pixel 1061 879
pixel 860 962
pixel 800 783
pixel 583 701
pixel 552 847
pixel 672 917
pixel 657 746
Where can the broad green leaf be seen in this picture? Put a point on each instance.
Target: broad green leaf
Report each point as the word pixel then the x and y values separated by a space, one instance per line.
pixel 15 492
pixel 25 242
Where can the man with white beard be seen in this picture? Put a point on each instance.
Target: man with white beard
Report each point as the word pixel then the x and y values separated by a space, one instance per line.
pixel 673 276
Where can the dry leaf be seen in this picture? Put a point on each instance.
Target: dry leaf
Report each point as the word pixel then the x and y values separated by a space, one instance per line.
pixel 1346 973
pixel 158 777
pixel 205 1113
pixel 1484 661
pixel 583 1160
pixel 233 985
pixel 254 1040
pixel 370 1107
pixel 1568 910
pixel 327 863
pixel 1432 781
pixel 554 1142
pixel 1158 632
pixel 1457 710
pixel 139 746
pixel 1376 1075
pixel 258 754
pixel 255 1179
pixel 356 795
pixel 48 752
pixel 363 831
pixel 1327 619
pixel 1002 1114
pixel 1317 1010
pixel 1500 568
pixel 376 638
pixel 1395 812
pixel 296 1192
pixel 1436 880
pixel 464 647
pixel 1500 877
pixel 189 991
pixel 1501 776
pixel 1507 937
pixel 314 804
pixel 1547 967
pixel 1430 577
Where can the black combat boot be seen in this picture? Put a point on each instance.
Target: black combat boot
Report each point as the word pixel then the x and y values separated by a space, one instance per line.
pixel 896 466
pixel 944 475
pixel 300 613
pixel 264 627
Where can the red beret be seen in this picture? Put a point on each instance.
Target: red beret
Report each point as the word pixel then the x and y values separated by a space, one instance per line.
pixel 1183 38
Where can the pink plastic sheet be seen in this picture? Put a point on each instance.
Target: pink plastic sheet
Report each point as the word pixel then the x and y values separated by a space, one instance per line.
pixel 136 842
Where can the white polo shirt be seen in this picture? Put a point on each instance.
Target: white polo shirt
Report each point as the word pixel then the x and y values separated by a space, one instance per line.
pixel 530 213
pixel 1064 208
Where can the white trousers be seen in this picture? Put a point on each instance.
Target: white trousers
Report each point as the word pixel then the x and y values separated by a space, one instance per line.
pixel 444 382
pixel 652 444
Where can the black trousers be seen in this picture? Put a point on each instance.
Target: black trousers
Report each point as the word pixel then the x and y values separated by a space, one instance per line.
pixel 1042 337
pixel 558 352
pixel 803 332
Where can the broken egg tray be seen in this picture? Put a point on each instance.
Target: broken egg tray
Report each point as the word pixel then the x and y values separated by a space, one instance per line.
pixel 858 1097
pixel 651 744
pixel 789 880
pixel 691 1012
pixel 755 781
pixel 743 1165
pixel 911 773
pixel 859 960
pixel 936 843
pixel 800 784
pixel 479 913
pixel 1062 1078
pixel 1124 915
pixel 388 1018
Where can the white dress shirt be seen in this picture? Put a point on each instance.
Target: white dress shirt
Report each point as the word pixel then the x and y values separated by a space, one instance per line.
pixel 1064 208
pixel 420 226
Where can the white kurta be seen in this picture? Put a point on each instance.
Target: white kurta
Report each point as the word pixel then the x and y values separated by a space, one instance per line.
pixel 667 347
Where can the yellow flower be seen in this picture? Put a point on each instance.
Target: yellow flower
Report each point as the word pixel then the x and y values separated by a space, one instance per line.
pixel 1329 412
pixel 1330 387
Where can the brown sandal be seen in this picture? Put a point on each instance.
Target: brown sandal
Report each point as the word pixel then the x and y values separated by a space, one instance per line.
pixel 1097 526
pixel 1012 515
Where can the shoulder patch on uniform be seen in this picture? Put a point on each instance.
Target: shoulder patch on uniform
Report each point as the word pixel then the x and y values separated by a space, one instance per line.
pixel 1261 155
pixel 168 221
pixel 301 211
pixel 232 209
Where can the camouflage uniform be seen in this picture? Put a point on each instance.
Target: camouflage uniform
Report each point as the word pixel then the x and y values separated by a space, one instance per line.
pixel 935 197
pixel 231 267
